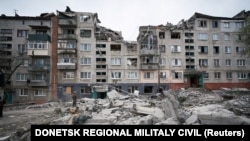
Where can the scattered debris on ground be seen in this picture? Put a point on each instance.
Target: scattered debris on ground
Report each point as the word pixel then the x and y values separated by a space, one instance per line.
pixel 193 106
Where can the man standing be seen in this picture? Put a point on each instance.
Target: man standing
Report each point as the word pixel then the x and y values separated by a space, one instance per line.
pixel 74 98
pixel 1 106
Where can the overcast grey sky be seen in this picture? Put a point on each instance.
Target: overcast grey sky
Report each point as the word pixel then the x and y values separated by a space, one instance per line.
pixel 127 15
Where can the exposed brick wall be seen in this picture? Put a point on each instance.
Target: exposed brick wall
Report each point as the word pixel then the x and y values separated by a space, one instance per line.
pixel 216 86
pixel 54 58
pixel 175 86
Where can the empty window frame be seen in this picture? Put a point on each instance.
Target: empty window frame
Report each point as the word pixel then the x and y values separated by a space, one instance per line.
pixel 85 33
pixel 100 73
pixel 100 60
pixel 189 34
pixel 177 75
pixel 22 92
pixel 132 62
pixel 206 75
pixel 148 89
pixel 115 47
pixel 131 89
pixel 189 47
pixel 203 49
pixel 202 23
pixel 163 75
pixel 162 35
pixel 216 49
pixel 175 35
pixel 189 54
pixel 226 24
pixel 240 49
pixel 100 45
pixel 100 66
pixel 215 24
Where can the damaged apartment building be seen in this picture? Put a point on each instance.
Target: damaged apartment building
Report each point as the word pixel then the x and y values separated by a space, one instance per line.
pixel 70 52
pixel 202 52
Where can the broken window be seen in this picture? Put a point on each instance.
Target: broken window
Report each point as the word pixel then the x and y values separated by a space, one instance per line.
pixel 189 40
pixel 100 60
pixel 132 62
pixel 240 49
pixel 203 49
pixel 189 47
pixel 189 54
pixel 214 24
pixel 68 31
pixel 85 33
pixel 189 34
pixel 100 52
pixel 190 67
pixel 148 89
pixel 131 89
pixel 84 18
pixel 85 90
pixel 216 49
pixel 101 66
pixel 190 60
pixel 175 35
pixel 100 80
pixel 100 45
pixel 116 75
pixel 162 35
pixel 177 75
pixel 163 75
pixel 162 48
pixel 115 47
pixel 202 23
pixel 100 73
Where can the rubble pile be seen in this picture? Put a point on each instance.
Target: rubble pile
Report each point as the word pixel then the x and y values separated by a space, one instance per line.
pixel 173 107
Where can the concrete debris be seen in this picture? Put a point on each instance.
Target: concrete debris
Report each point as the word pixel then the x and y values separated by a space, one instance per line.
pixel 193 106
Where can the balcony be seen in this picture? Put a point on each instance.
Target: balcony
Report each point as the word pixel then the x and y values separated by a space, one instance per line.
pixel 67 66
pixel 149 52
pixel 149 66
pixel 39 37
pixel 38 83
pixel 39 67
pixel 67 23
pixel 67 36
